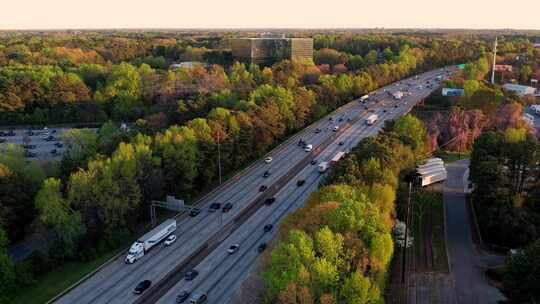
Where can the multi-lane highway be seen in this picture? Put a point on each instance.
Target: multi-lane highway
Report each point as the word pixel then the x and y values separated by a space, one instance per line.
pixel 203 240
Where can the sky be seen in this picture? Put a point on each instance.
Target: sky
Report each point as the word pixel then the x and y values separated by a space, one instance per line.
pixel 92 14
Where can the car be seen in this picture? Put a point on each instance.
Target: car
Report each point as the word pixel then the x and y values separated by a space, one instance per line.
pixel 301 143
pixel 142 286
pixel 50 138
pixel 191 274
pixel 366 107
pixel 341 143
pixel 266 174
pixel 227 207
pixel 2 133
pixel 214 206
pixel 300 182
pixel 308 148
pixel 384 110
pixel 182 297
pixel 268 227
pixel 317 131
pixel 336 128
pixel 268 160
pixel 54 151
pixel 58 144
pixel 396 106
pixel 313 162
pixel 11 133
pixel 269 201
pixel 340 119
pixel 233 248
pixel 29 147
pixel 261 247
pixel 29 154
pixel 169 240
pixel 330 118
pixel 194 212
pixel 262 188
pixel 198 298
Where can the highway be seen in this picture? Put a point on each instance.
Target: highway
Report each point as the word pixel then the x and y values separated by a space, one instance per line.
pixel 203 240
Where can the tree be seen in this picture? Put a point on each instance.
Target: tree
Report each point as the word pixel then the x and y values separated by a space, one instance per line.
pixel 357 289
pixel 521 275
pixel 7 270
pixel 56 212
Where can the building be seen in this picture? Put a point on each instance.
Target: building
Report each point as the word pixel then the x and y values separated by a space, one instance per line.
pixel 519 90
pixel 268 50
pixel 185 65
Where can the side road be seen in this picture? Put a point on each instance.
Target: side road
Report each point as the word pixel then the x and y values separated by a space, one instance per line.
pixel 467 265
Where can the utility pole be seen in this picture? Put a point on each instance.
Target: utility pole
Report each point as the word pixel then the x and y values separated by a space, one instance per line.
pixel 494 61
pixel 404 255
pixel 219 156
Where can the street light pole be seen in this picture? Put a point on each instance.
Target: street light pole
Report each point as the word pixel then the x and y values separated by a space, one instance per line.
pixel 407 222
pixel 219 156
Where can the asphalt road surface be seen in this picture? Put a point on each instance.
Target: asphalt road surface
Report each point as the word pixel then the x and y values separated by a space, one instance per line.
pixel 466 265
pixel 40 147
pixel 220 274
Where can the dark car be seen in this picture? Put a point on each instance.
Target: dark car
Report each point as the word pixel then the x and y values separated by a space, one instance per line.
pixel 142 286
pixel 194 212
pixel 58 144
pixel 227 207
pixel 2 133
pixel 191 274
pixel 261 247
pixel 50 138
pixel 11 133
pixel 396 106
pixel 384 110
pixel 29 146
pixel 317 131
pixel 266 174
pixel 330 118
pixel 54 151
pixel 313 162
pixel 214 206
pixel 300 182
pixel 183 296
pixel 301 143
pixel 262 188
pixel 341 143
pixel 269 201
pixel 268 227
pixel 340 119
pixel 29 154
pixel 366 107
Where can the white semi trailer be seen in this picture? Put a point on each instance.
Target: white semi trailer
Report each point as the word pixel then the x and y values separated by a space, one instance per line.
pixel 433 177
pixel 372 119
pixel 325 165
pixel 149 240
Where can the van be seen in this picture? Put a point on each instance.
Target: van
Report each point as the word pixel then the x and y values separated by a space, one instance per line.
pixel 308 148
pixel 198 298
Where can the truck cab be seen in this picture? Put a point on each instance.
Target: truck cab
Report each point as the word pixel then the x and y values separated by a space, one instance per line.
pixel 136 251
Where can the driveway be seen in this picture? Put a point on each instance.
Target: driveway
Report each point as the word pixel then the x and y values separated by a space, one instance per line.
pixel 466 265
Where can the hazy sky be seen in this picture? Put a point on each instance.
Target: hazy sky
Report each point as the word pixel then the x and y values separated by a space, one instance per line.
pixel 46 14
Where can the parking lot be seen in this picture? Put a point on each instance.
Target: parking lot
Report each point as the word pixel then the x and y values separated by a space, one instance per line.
pixel 38 144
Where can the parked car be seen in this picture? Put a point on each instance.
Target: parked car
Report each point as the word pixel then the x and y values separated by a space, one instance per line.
pixel 268 160
pixel 266 174
pixel 269 201
pixel 261 247
pixel 262 188
pixel 214 206
pixel 194 212
pixel 182 297
pixel 169 240
pixel 233 248
pixel 191 274
pixel 300 182
pixel 227 207
pixel 268 227
pixel 142 286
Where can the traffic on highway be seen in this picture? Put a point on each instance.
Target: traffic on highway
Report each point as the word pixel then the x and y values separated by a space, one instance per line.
pixel 216 246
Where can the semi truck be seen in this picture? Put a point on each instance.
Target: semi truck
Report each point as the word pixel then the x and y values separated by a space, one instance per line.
pixel 325 165
pixel 364 98
pixel 434 177
pixel 372 119
pixel 149 240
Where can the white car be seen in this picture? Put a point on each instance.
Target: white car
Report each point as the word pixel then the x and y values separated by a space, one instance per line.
pixel 268 160
pixel 308 148
pixel 233 248
pixel 171 239
pixel 336 128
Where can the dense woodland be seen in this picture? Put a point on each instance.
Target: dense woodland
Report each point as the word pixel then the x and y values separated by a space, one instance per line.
pixel 99 193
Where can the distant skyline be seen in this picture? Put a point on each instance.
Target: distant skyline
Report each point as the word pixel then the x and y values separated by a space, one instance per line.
pixel 100 14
